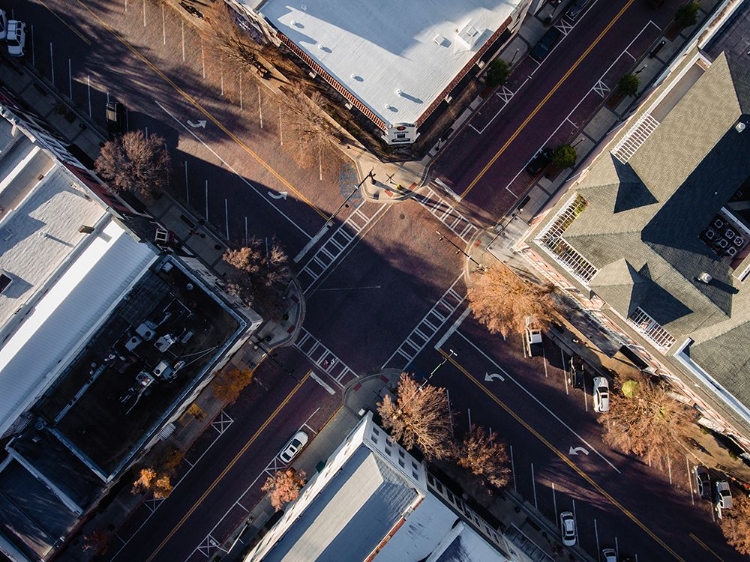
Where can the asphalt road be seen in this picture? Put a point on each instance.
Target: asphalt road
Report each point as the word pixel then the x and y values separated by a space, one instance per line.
pixel 382 286
pixel 549 102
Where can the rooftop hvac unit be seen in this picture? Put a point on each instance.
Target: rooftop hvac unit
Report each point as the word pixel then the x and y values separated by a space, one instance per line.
pixel 729 234
pixel 163 370
pixel 133 342
pixel 165 342
pixel 731 251
pixel 710 234
pixel 722 243
pixel 704 278
pixel 718 223
pixel 739 241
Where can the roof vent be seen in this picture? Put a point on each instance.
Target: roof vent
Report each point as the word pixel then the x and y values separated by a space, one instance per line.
pixel 84 229
pixel 739 127
pixel 5 280
pixel 705 278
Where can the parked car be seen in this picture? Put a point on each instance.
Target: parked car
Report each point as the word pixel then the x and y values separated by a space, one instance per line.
pixel 576 371
pixel 16 38
pixel 609 555
pixel 703 481
pixel 540 161
pixel 293 447
pixel 115 119
pixel 532 339
pixel 548 40
pixel 576 9
pixel 723 495
pixel 3 25
pixel 601 395
pixel 568 528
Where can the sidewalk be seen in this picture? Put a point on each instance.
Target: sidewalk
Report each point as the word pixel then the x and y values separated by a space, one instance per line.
pixel 530 531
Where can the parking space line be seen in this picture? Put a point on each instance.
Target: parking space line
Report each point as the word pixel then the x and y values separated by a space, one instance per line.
pixel 537 400
pixel 227 468
pixel 230 168
pixel 513 469
pixel 533 487
pixel 563 457
pixel 690 481
pixel 544 100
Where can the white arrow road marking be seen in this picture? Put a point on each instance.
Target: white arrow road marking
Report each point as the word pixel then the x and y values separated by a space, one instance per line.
pixel 493 377
pixel 201 124
pixel 576 450
pixel 280 195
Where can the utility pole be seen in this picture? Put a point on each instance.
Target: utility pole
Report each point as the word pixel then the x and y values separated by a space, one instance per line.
pixel 370 175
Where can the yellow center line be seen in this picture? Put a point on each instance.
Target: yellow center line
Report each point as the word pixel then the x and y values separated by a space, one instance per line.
pixel 705 546
pixel 562 456
pixel 192 101
pixel 228 468
pixel 84 39
pixel 522 126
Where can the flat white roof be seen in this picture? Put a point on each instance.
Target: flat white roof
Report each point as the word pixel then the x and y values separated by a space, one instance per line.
pixel 39 222
pixel 395 56
pixel 67 316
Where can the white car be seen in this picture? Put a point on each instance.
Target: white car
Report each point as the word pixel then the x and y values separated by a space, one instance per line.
pixel 293 447
pixel 16 38
pixel 601 394
pixel 3 25
pixel 568 528
pixel 723 495
pixel 609 555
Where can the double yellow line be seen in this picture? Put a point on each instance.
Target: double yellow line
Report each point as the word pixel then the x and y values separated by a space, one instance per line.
pixel 227 468
pixel 562 456
pixel 531 115
pixel 192 101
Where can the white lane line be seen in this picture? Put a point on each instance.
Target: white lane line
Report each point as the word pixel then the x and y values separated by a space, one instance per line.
pixel 321 382
pixel 550 412
pixel 231 169
pixel 449 332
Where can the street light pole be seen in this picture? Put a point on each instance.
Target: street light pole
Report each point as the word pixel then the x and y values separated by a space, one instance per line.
pixel 459 250
pixel 435 370
pixel 370 175
pixel 272 357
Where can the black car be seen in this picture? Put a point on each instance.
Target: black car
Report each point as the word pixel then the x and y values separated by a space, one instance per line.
pixel 576 371
pixel 542 49
pixel 115 119
pixel 703 481
pixel 540 162
pixel 576 9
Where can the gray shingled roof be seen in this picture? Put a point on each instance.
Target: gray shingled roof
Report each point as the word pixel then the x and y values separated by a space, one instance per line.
pixel 351 515
pixel 641 226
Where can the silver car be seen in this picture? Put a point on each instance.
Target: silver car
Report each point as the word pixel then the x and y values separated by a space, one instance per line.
pixel 293 447
pixel 3 25
pixel 16 38
pixel 601 395
pixel 568 528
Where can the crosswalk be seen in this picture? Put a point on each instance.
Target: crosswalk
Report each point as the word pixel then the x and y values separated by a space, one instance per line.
pixel 446 213
pixel 342 237
pixel 427 327
pixel 325 359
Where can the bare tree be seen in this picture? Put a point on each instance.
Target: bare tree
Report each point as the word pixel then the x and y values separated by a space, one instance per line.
pixel 502 301
pixel 135 164
pixel 149 480
pixel 485 457
pixel 314 138
pixel 735 524
pixel 228 384
pixel 284 486
pixel 234 47
pixel 96 542
pixel 420 418
pixel 258 275
pixel 644 419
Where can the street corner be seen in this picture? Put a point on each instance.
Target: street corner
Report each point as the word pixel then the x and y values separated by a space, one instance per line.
pixel 364 393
